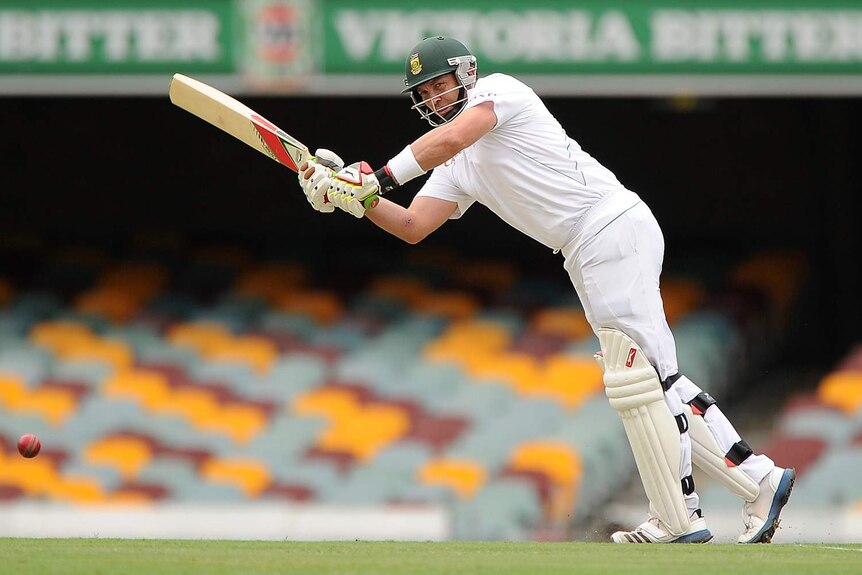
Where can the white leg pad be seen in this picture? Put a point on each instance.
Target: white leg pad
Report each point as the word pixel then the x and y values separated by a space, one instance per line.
pixel 708 456
pixel 634 390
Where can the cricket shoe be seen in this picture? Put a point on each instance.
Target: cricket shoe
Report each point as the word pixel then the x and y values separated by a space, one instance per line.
pixel 654 531
pixel 761 515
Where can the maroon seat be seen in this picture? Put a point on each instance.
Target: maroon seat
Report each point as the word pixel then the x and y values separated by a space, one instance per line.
pixel 795 451
pixel 10 492
pixel 291 492
pixel 342 460
pixel 437 431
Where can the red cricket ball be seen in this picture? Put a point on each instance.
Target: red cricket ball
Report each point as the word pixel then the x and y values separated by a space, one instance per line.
pixel 29 445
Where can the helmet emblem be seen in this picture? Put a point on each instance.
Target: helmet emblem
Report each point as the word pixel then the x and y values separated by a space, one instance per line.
pixel 415 64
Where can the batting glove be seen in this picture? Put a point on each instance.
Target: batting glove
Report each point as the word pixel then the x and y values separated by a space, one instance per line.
pixel 316 179
pixel 354 189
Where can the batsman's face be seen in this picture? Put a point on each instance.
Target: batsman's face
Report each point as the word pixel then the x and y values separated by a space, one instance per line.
pixel 440 93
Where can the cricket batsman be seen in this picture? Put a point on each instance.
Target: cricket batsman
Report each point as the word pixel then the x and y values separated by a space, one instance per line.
pixel 494 142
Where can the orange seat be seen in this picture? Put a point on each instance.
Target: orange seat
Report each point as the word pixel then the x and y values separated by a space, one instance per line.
pixel 565 322
pixel 401 288
pixel 271 281
pixel 681 297
pixel 776 273
pixel 142 281
pixel 251 476
pixel 6 292
pixel 464 477
pixel 494 276
pixel 117 306
pixel 452 304
pixel 324 307
pixel 128 455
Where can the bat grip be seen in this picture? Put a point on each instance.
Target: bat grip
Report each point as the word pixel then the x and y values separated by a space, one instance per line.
pixel 371 201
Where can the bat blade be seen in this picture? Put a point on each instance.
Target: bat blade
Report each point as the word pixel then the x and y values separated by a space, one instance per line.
pixel 238 120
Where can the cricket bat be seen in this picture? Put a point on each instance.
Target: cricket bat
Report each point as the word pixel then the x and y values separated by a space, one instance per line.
pixel 243 123
pixel 238 120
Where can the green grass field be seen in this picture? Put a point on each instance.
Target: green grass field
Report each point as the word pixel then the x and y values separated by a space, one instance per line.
pixel 153 557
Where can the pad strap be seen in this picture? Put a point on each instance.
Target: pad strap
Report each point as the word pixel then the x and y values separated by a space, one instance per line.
pixel 739 452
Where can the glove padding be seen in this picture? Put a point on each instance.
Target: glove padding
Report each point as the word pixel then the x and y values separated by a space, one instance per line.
pixel 352 186
pixel 323 166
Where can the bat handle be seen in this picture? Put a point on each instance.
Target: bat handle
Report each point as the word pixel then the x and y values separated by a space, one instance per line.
pixel 371 202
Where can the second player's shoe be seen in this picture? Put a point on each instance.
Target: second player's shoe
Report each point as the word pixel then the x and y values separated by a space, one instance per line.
pixel 761 515
pixel 653 531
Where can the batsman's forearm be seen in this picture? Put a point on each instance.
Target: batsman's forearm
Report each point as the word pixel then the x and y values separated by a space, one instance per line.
pixel 396 220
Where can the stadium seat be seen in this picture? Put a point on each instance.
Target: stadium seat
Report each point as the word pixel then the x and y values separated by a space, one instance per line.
pixel 568 323
pixel 128 455
pixel 250 475
pixel 464 477
pixel 842 389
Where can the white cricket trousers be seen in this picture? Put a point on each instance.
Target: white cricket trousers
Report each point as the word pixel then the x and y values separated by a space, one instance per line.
pixel 614 262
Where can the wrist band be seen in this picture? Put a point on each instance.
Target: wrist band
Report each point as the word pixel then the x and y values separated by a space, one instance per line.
pixel 404 166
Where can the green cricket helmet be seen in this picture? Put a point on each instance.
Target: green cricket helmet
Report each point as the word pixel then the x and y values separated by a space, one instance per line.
pixel 434 57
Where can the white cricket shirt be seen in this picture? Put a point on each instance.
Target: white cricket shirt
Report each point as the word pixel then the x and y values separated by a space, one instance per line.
pixel 526 169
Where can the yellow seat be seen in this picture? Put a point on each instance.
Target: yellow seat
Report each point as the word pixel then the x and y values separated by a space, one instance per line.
pixel 324 307
pixel 464 477
pixel 196 405
pixel 57 335
pixel 561 464
pixel 332 403
pixel 257 352
pixel 250 475
pixel 842 389
pixel 149 388
pixel 200 336
pixel 54 405
pixel 521 371
pixel 12 390
pixel 81 490
pixel 128 455
pixel 239 422
pixel 570 380
pixel 566 322
pixel 116 353
pixel 367 431
pixel 32 476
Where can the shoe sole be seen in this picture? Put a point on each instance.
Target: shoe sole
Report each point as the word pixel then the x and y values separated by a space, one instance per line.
pixel 703 536
pixel 782 495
